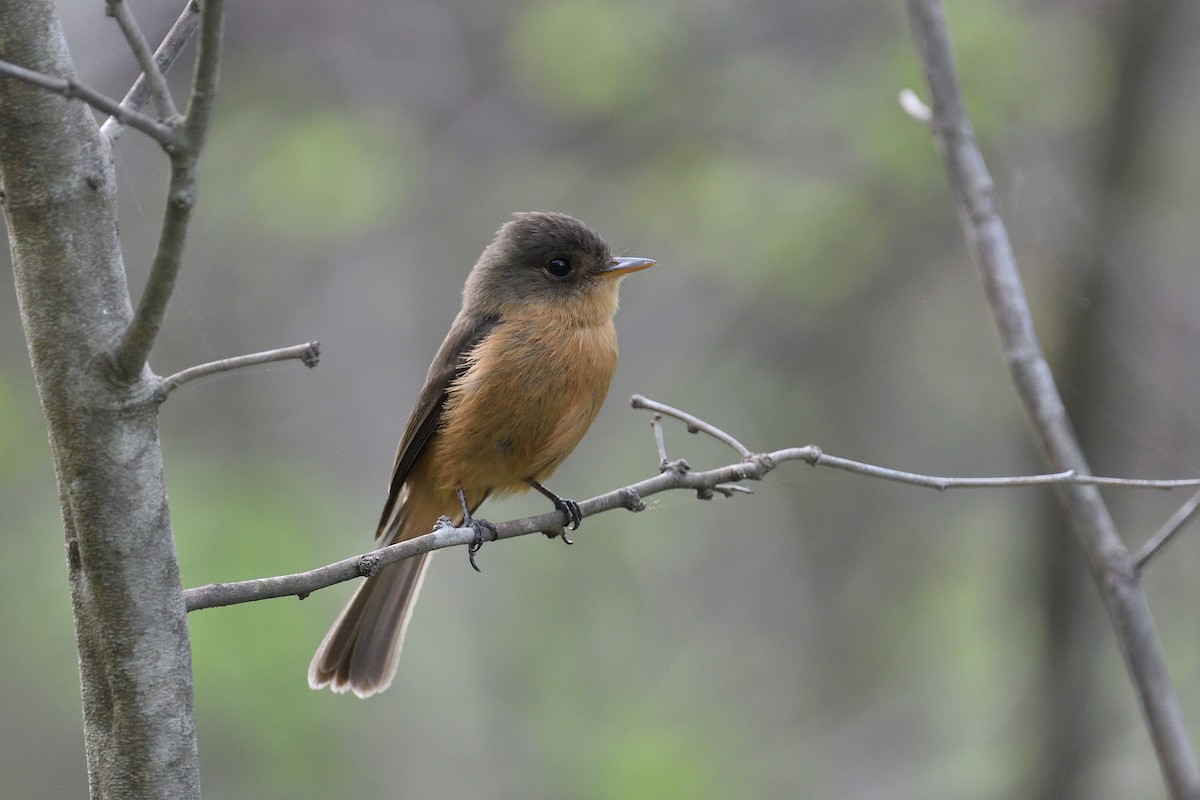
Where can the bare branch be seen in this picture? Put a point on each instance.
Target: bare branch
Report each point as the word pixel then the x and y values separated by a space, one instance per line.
pixel 179 35
pixel 1112 568
pixel 138 338
pixel 817 458
pixel 1185 514
pixel 694 425
pixel 75 90
pixel 659 442
pixel 629 497
pixel 134 348
pixel 208 68
pixel 309 353
pixel 674 475
pixel 1065 478
pixel 120 10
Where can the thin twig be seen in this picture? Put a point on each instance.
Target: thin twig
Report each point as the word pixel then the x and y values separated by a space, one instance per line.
pixel 817 458
pixel 1112 568
pixel 208 68
pixel 179 35
pixel 1182 516
pixel 1065 478
pixel 659 442
pixel 131 353
pixel 119 10
pixel 694 424
pixel 309 353
pixel 73 89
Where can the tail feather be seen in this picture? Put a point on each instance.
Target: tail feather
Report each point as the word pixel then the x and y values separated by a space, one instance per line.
pixel 362 649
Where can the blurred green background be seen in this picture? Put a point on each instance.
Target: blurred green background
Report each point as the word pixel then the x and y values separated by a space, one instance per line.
pixel 831 636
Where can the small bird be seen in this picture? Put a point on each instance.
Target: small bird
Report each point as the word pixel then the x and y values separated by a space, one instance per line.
pixel 513 388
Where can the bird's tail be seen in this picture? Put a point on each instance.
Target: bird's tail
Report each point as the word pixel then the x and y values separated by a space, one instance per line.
pixel 362 649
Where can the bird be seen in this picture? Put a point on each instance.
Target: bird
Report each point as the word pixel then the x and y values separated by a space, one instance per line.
pixel 512 390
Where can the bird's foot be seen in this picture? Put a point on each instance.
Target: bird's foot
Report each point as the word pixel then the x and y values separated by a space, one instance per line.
pixel 479 526
pixel 569 508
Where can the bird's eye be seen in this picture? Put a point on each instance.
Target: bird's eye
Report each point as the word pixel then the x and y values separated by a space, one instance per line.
pixel 558 267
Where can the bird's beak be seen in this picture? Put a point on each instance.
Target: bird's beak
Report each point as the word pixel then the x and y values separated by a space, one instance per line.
pixel 623 266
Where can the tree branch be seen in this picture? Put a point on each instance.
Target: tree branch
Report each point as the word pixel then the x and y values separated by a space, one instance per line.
pixel 119 10
pixel 814 456
pixel 179 35
pixel 694 424
pixel 1113 570
pixel 73 89
pixel 309 353
pixel 134 348
pixel 674 475
pixel 659 442
pixel 208 69
pixel 1185 514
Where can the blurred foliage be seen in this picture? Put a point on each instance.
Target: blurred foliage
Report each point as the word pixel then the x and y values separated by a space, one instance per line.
pixel 329 173
pixel 592 58
pixel 780 234
pixel 340 190
pixel 828 637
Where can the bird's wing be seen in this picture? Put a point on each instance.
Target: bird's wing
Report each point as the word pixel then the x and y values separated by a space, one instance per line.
pixel 450 362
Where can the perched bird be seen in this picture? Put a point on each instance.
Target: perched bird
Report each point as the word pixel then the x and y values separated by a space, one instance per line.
pixel 513 388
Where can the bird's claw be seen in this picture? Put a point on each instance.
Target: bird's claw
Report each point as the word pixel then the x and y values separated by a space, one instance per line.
pixel 574 516
pixel 571 509
pixel 479 526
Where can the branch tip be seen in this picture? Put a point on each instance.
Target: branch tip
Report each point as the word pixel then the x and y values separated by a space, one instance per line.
pixel 694 424
pixel 915 107
pixel 312 355
pixel 308 354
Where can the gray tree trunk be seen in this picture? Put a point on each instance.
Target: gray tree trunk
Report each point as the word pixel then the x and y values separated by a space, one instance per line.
pixel 59 197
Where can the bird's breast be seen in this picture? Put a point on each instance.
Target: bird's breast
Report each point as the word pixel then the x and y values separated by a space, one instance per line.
pixel 529 395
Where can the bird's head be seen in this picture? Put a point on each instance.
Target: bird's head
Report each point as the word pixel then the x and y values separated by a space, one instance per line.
pixel 548 260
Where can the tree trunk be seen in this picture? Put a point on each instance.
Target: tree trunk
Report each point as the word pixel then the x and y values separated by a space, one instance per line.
pixel 59 195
